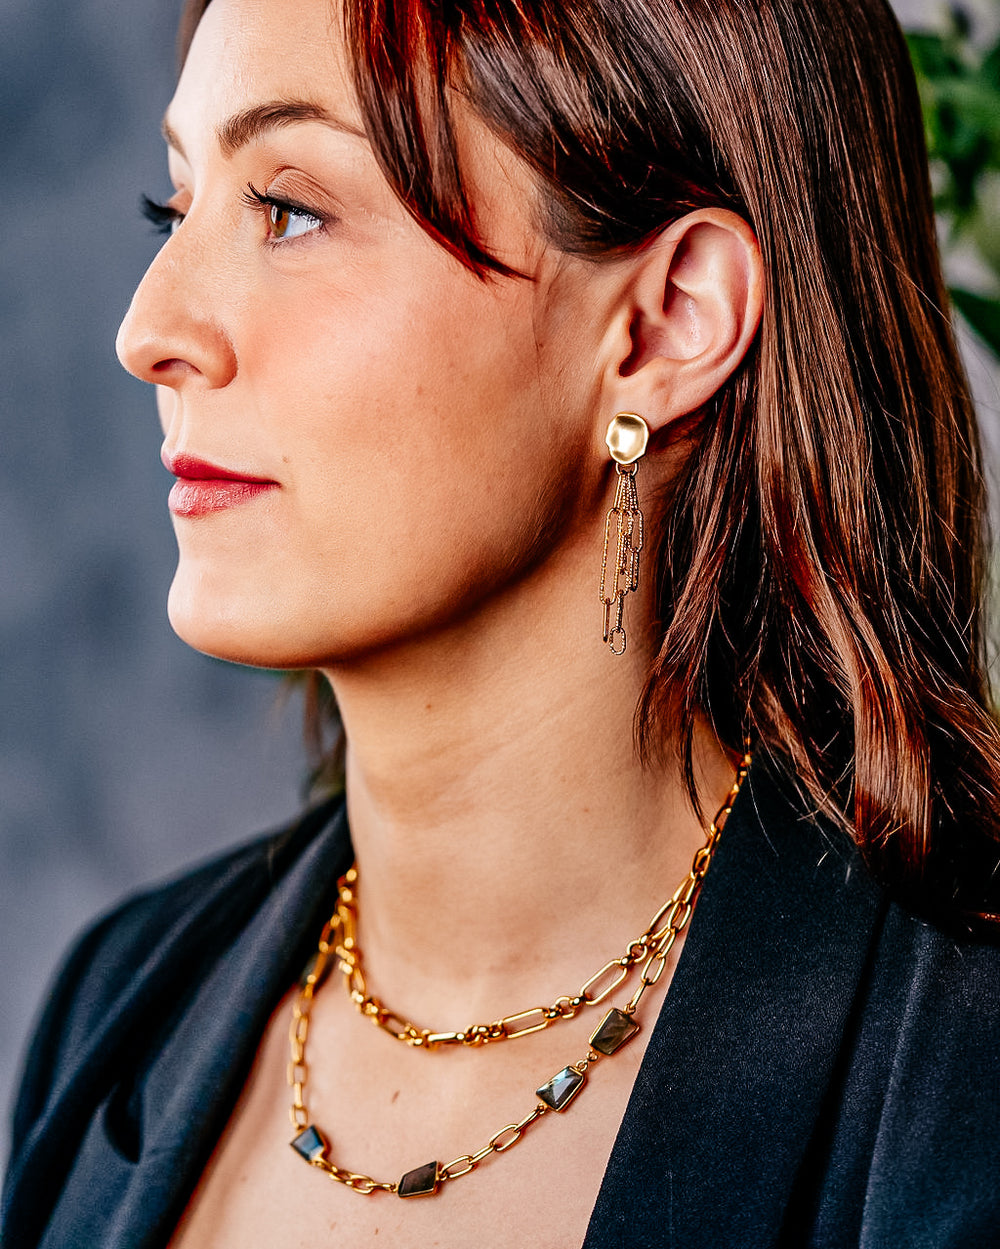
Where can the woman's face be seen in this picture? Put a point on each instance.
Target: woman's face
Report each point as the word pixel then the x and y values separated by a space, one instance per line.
pixel 414 434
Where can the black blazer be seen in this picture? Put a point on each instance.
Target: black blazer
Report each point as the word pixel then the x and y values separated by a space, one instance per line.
pixel 824 1070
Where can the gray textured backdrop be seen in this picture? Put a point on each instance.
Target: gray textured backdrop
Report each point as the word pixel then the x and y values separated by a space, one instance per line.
pixel 123 755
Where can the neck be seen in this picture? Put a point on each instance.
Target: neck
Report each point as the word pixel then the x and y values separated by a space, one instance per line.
pixel 507 836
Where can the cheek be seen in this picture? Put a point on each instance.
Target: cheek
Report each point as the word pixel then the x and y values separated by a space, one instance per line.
pixel 421 430
pixel 422 469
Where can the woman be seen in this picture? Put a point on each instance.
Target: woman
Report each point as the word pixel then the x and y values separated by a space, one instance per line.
pixel 434 276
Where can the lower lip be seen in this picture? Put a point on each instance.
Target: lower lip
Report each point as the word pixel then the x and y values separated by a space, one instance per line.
pixel 195 497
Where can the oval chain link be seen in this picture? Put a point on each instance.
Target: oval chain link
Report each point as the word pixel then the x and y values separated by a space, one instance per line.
pixel 669 920
pixel 338 937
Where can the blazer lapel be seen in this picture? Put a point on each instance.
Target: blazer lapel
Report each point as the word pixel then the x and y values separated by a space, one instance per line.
pixel 734 1075
pixel 138 1146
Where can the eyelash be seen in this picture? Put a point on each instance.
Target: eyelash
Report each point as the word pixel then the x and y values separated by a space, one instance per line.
pixel 266 204
pixel 165 219
pixel 162 217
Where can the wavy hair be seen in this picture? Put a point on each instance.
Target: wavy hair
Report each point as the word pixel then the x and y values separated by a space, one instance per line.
pixel 821 557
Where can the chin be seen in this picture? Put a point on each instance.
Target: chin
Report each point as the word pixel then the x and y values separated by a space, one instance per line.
pixel 265 628
pixel 264 616
pixel 240 628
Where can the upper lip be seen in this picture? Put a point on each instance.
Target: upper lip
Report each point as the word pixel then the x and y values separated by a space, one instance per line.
pixel 190 467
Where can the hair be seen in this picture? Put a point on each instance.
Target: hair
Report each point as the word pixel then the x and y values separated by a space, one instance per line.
pixel 820 558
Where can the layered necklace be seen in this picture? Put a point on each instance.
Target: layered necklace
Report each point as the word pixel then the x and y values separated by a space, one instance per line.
pixel 338 947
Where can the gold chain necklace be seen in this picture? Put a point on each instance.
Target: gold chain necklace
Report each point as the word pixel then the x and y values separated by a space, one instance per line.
pixel 508 1028
pixel 616 1028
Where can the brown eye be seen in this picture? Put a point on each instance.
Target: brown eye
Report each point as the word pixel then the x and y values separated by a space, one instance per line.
pixel 279 218
pixel 286 222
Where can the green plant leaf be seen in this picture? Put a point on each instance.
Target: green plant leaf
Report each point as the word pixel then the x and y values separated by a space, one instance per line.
pixel 960 92
pixel 982 314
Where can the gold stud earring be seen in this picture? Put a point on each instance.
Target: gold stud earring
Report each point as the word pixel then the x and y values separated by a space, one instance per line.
pixel 626 438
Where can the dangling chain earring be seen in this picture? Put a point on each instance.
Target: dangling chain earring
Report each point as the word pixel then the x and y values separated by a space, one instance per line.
pixel 626 438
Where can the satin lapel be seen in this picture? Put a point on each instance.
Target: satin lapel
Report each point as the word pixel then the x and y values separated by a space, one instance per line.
pixel 734 1075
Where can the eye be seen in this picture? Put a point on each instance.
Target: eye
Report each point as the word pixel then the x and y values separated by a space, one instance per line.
pixel 286 222
pixel 164 218
pixel 285 219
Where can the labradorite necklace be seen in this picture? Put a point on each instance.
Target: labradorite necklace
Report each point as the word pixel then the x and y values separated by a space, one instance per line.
pixel 338 944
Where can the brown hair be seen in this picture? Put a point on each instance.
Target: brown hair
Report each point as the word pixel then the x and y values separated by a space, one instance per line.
pixel 821 559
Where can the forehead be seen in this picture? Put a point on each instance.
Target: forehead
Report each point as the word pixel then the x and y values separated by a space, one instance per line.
pixel 245 51
pixel 253 58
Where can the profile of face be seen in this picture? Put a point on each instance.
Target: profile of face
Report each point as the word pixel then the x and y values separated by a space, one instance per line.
pixel 412 432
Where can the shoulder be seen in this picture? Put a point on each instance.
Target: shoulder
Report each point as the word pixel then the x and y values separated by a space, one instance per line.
pixel 150 939
pixel 941 996
pixel 151 1027
pixel 793 849
pixel 906 1133
pixel 837 1057
pixel 920 1005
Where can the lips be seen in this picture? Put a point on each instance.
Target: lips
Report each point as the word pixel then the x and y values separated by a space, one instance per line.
pixel 202 488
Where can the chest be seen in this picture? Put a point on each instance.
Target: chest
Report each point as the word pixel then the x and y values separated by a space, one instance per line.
pixel 386 1109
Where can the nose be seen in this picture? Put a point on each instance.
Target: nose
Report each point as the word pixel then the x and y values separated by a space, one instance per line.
pixel 174 332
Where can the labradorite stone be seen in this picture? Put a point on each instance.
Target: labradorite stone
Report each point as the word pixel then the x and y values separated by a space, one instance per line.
pixel 558 1092
pixel 613 1031
pixel 420 1182
pixel 309 1143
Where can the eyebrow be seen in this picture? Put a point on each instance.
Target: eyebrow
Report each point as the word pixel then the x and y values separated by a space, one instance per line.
pixel 249 124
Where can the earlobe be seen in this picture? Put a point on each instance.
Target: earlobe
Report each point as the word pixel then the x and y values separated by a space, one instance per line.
pixel 688 315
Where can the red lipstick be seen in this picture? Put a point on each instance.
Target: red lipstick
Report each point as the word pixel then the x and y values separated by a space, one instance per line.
pixel 202 487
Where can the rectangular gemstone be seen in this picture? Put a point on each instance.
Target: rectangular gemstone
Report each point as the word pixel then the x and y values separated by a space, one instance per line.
pixel 613 1031
pixel 421 1182
pixel 310 1143
pixel 558 1092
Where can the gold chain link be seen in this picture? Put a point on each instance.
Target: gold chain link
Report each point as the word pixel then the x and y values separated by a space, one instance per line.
pixel 338 940
pixel 652 945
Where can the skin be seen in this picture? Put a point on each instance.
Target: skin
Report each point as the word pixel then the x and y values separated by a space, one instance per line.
pixel 433 544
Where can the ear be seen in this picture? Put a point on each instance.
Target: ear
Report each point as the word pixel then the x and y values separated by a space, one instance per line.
pixel 688 311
